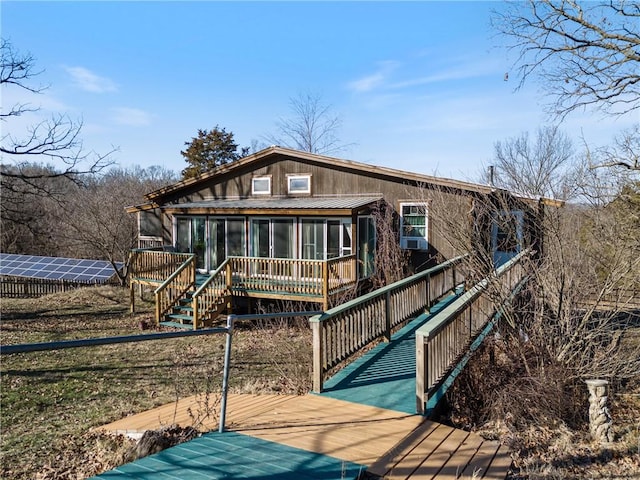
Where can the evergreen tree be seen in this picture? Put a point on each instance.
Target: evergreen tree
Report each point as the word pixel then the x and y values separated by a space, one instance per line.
pixel 209 150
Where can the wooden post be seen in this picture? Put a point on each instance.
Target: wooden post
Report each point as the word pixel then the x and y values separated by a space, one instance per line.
pixel 132 298
pixel 229 277
pixel 325 285
pixel 316 329
pixel 158 310
pixel 427 282
pixel 196 314
pixel 387 317
pixel 421 373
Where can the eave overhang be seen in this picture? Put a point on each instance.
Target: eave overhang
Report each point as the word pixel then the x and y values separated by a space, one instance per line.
pixel 290 206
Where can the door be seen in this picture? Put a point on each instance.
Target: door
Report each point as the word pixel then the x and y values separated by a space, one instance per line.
pixel 272 238
pixel 366 246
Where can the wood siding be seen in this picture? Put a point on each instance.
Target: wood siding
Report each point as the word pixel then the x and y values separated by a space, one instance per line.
pixel 335 181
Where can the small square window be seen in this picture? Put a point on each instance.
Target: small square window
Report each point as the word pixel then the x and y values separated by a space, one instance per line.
pixel 299 183
pixel 261 185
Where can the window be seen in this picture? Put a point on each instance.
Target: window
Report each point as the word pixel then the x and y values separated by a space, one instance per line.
pixel 299 183
pixel 506 235
pixel 261 185
pixel 325 239
pixel 414 226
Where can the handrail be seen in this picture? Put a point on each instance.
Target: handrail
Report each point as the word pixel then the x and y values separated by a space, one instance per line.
pixel 441 340
pixel 175 286
pixel 203 299
pixel 92 342
pixel 388 288
pixel 342 331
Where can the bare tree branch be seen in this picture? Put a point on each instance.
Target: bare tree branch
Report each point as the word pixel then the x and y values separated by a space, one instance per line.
pixel 586 54
pixel 311 128
pixel 534 166
pixel 55 142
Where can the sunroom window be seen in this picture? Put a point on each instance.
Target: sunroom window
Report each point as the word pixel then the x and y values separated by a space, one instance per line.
pixel 414 226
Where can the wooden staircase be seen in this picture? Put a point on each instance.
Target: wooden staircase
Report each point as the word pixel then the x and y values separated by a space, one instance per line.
pixel 182 313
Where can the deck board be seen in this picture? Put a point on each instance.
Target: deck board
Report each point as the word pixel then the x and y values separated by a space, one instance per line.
pixel 365 420
pixel 388 443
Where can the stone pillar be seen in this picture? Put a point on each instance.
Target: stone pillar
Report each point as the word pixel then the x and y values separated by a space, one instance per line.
pixel 600 423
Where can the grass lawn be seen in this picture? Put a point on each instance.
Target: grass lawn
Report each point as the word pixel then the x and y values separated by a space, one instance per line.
pixel 51 400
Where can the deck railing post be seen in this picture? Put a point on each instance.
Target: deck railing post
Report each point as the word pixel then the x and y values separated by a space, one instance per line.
pixel 428 295
pixel 196 313
pixel 316 328
pixel 229 277
pixel 325 285
pixel 421 373
pixel 387 316
pixel 158 307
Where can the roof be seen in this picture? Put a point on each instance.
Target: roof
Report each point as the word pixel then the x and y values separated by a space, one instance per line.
pixel 56 268
pixel 364 168
pixel 154 198
pixel 287 205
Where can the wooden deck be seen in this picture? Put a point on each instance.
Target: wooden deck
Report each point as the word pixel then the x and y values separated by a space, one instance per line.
pixel 364 421
pixel 383 442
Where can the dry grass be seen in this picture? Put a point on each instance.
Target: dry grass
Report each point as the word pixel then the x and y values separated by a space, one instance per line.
pixel 50 400
pixel 544 423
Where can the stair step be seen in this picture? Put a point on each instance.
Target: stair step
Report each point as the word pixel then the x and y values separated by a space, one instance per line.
pixel 182 308
pixel 180 316
pixel 176 325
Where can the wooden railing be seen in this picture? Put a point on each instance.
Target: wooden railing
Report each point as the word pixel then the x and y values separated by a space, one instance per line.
pixel 175 287
pixel 342 331
pixel 154 266
pixel 211 294
pixel 312 278
pixel 341 273
pixel 441 341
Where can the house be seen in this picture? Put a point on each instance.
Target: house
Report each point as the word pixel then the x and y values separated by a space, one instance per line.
pixel 294 225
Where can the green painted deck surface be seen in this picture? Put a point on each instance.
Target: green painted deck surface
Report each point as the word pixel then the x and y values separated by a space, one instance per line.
pixel 231 455
pixel 385 376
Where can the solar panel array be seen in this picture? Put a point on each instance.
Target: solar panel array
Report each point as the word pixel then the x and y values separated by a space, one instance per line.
pixel 56 268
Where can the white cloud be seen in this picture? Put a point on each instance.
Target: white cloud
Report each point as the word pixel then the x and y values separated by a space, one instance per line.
pixel 85 79
pixel 132 117
pixel 375 80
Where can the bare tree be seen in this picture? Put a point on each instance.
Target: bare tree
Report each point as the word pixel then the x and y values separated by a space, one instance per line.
pixel 55 141
pixel 392 262
pixel 312 126
pixel 569 322
pixel 535 167
pixel 95 224
pixel 623 154
pixel 586 54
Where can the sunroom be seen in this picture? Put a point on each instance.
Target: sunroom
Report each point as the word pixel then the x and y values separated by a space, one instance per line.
pixel 287 248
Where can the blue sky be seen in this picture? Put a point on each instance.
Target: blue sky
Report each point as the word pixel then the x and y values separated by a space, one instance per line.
pixel 419 85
